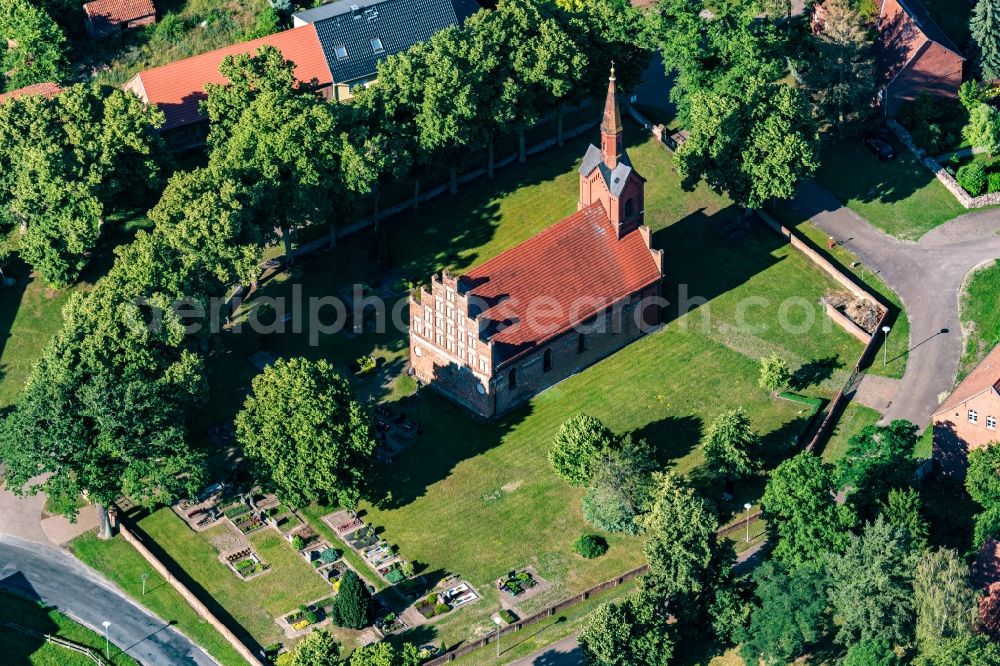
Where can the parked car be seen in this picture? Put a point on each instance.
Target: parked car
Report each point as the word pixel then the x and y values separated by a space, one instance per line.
pixel 881 148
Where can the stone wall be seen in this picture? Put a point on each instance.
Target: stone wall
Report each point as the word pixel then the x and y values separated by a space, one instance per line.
pixel 188 596
pixel 946 179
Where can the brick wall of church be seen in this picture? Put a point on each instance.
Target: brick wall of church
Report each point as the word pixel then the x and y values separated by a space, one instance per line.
pixel 531 374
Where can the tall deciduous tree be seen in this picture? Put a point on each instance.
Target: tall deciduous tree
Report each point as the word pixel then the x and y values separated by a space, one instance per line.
pixel 902 508
pixel 871 586
pixel 802 515
pixel 841 76
pixel 306 432
pixel 985 28
pixel 732 446
pixel 633 632
pixel 619 486
pixel 982 481
pixel 577 444
pixel 790 614
pixel 878 459
pixel 34 45
pixel 943 599
pixel 385 653
pixel 318 648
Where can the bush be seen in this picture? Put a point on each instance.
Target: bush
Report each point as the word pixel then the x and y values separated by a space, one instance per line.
pixel 507 616
pixel 993 182
pixel 298 543
pixel 972 178
pixel 441 609
pixel 590 546
pixel 311 616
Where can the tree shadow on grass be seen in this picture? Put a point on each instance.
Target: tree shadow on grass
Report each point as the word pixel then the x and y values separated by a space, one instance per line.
pixel 814 372
pixel 672 437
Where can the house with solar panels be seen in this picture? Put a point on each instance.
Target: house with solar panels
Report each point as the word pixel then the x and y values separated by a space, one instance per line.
pixel 335 49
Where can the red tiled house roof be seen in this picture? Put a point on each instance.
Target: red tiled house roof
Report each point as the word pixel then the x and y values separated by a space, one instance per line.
pixel 179 87
pixel 579 265
pixel 985 377
pixel 114 12
pixel 914 55
pixel 49 90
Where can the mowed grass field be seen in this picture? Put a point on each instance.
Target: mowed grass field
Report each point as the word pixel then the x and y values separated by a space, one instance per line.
pixel 980 315
pixel 900 197
pixel 478 498
pixel 22 648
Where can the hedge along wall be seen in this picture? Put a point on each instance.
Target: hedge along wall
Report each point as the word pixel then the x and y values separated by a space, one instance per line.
pixel 946 179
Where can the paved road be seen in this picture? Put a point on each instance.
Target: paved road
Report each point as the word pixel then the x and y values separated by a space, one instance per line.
pixel 61 580
pixel 927 276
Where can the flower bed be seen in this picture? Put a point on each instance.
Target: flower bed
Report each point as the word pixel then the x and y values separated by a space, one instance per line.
pixel 516 583
pixel 235 511
pixel 390 623
pixel 248 524
pixel 432 605
pixel 246 564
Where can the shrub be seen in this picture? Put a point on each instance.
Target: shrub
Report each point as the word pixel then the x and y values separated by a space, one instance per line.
pixel 590 546
pixel 441 609
pixel 972 178
pixel 507 616
pixel 407 569
pixel 298 543
pixel 993 182
pixel 311 617
pixel 395 576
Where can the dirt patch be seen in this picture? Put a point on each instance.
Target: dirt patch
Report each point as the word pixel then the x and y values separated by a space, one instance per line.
pixel 226 538
pixel 511 486
pixel 861 311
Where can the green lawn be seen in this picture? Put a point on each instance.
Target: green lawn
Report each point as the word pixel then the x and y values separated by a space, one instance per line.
pixel 21 648
pixel 980 315
pixel 854 419
pixel 478 499
pixel 123 566
pixel 900 197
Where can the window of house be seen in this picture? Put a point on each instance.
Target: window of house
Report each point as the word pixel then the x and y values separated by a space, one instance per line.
pixel 439 339
pixel 341 51
pixel 629 207
pixel 427 315
pixel 417 326
pixel 512 379
pixel 973 416
pixel 991 422
pixel 581 343
pixel 377 45
pixel 547 360
pixel 451 296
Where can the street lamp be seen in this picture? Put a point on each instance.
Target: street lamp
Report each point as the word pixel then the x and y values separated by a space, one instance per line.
pixel 747 506
pixel 145 577
pixel 497 621
pixel 885 345
pixel 107 641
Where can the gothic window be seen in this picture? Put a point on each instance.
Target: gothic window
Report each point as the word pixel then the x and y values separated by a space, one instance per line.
pixel 547 360
pixel 581 343
pixel 512 379
pixel 629 207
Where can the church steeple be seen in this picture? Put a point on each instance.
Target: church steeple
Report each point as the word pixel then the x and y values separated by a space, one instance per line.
pixel 611 126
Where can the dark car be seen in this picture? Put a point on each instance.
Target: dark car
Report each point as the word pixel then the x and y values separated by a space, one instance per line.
pixel 881 148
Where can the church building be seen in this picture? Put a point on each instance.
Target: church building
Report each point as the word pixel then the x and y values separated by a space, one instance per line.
pixel 541 311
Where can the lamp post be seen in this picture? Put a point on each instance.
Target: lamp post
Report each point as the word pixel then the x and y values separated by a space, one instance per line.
pixel 748 506
pixel 107 640
pixel 885 345
pixel 497 621
pixel 145 577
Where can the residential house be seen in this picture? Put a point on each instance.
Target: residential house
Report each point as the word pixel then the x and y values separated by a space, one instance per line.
pixel 49 90
pixel 106 17
pixel 967 420
pixel 179 88
pixel 357 34
pixel 578 291
pixel 914 56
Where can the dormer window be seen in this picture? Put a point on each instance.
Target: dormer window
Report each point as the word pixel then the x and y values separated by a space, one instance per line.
pixel 377 45
pixel 341 51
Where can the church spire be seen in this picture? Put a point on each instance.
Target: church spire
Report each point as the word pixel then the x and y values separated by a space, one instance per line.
pixel 611 126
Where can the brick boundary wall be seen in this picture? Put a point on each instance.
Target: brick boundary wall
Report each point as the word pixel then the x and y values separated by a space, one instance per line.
pixel 946 179
pixel 844 395
pixel 188 596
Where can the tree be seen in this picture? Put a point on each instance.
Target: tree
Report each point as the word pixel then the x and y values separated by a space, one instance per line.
pixel 790 614
pixel 267 23
pixel 871 586
pixel 384 653
pixel 985 28
pixel 871 652
pixel 619 486
pixel 902 508
pixel 944 601
pixel 732 446
pixel 353 606
pixel 982 481
pixel 578 442
pixel 634 632
pixel 680 539
pixel 776 9
pixel 318 648
pixel 774 375
pixel 802 515
pixel 755 143
pixel 306 433
pixel 841 77
pixel 38 52
pixel 974 650
pixel 878 459
pixel 983 128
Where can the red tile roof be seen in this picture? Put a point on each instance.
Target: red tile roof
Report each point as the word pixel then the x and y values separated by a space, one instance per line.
pixel 578 265
pixel 904 28
pixel 177 88
pixel 49 90
pixel 984 377
pixel 114 12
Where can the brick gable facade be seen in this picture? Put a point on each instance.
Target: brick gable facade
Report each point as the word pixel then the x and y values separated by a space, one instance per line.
pixel 574 293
